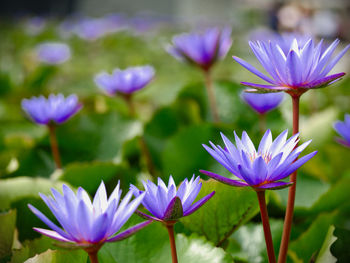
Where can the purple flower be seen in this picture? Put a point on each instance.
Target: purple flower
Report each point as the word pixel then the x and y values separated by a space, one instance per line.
pixel 262 168
pixel 297 69
pixel 56 108
pixel 167 203
pixel 202 49
pixel 343 129
pixel 125 81
pixel 262 103
pixel 88 223
pixel 90 29
pixel 53 53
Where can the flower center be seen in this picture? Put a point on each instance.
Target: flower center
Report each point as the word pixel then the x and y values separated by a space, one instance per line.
pixel 266 156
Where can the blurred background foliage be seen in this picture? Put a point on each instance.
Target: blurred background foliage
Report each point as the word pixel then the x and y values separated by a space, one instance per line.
pixel 104 142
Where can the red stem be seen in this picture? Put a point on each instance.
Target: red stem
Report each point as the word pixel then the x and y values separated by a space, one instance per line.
pixel 170 226
pixel 288 220
pixel 54 146
pixel 211 95
pixel 266 226
pixel 93 257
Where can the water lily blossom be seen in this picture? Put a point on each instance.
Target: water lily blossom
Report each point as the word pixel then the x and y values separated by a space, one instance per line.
pixel 202 48
pixel 125 81
pixel 165 203
pixel 263 103
pixel 89 224
pixel 54 109
pixel 343 129
pixel 295 70
pixel 53 53
pixel 260 169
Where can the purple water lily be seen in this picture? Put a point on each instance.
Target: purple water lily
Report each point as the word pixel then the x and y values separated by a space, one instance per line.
pixel 263 103
pixel 125 81
pixel 56 108
pixel 53 53
pixel 262 168
pixel 202 49
pixel 165 203
pixel 86 223
pixel 343 129
pixel 294 70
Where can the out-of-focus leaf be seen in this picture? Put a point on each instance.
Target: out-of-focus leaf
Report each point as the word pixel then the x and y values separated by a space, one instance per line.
pixel 7 230
pixel 30 248
pixel 90 175
pixel 340 248
pixel 14 189
pixel 334 198
pixel 305 186
pixel 319 126
pixel 325 255
pixel 308 244
pixel 152 245
pixel 224 213
pixel 184 155
pixel 59 256
pixel 248 242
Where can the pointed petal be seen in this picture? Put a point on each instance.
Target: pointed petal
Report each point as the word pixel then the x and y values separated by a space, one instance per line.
pixel 52 234
pixel 130 231
pixel 275 185
pixel 198 204
pixel 223 179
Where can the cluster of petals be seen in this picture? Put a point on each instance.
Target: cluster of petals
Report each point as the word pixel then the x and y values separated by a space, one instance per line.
pixel 301 67
pixel 53 53
pixel 165 203
pixel 343 129
pixel 263 168
pixel 203 48
pixel 263 102
pixel 56 108
pixel 88 223
pixel 125 81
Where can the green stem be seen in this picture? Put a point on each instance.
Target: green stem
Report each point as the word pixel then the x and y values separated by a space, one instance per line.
pixel 211 95
pixel 54 145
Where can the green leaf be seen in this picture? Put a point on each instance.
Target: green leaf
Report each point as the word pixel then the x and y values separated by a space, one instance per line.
pixel 325 255
pixel 60 256
pixel 307 245
pixel 340 248
pixel 152 245
pixel 184 155
pixel 90 175
pixel 305 186
pixel 248 242
pixel 7 231
pixel 14 189
pixel 30 248
pixel 224 213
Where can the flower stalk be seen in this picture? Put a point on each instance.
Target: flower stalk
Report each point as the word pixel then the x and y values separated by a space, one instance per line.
pixel 170 227
pixel 211 95
pixel 288 220
pixel 54 145
pixel 266 226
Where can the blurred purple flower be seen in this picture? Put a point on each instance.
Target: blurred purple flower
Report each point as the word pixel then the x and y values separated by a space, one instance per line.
pixel 303 67
pixel 125 81
pixel 88 223
pixel 56 108
pixel 202 49
pixel 90 29
pixel 35 25
pixel 167 203
pixel 262 103
pixel 53 53
pixel 343 129
pixel 262 168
